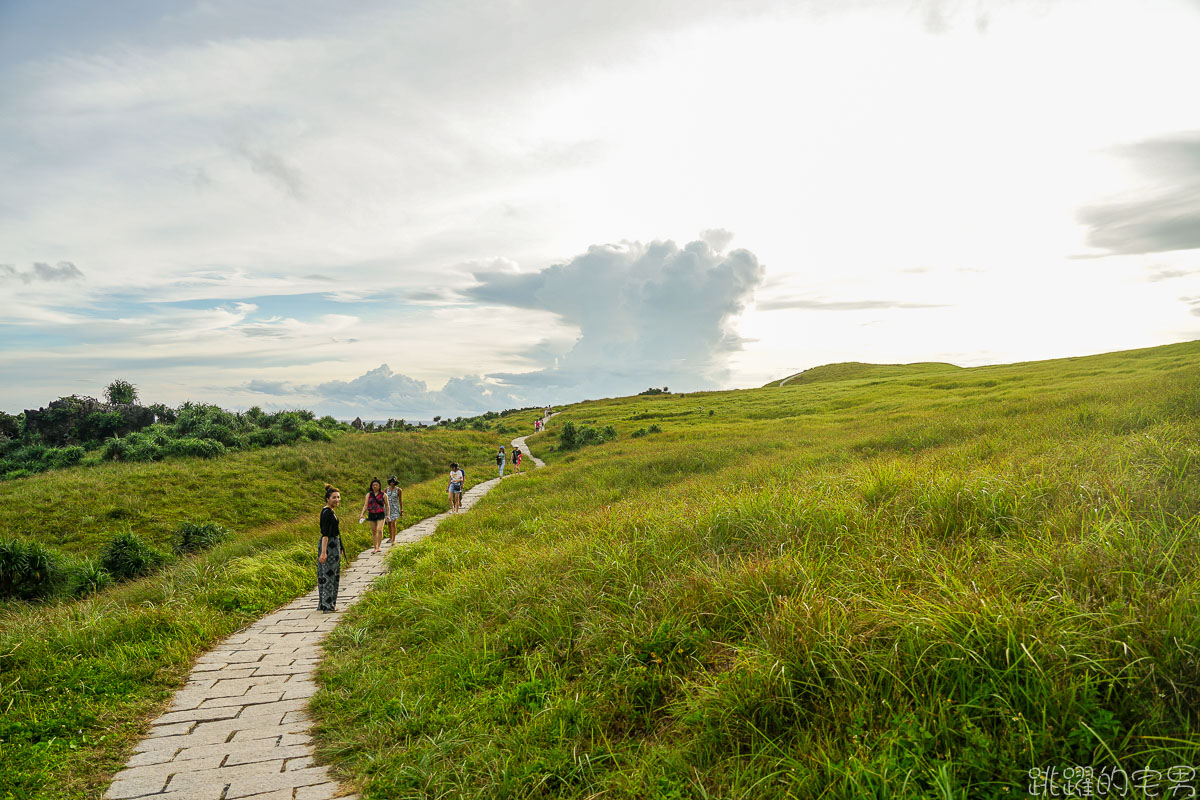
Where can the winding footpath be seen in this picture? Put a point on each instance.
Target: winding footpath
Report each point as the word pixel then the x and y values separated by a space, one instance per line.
pixel 239 728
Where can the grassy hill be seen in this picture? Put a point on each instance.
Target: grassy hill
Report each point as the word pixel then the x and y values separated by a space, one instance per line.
pixel 856 370
pixel 910 586
pixel 80 678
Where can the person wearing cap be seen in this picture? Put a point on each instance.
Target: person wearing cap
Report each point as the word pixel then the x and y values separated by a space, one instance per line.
pixel 455 490
pixel 395 507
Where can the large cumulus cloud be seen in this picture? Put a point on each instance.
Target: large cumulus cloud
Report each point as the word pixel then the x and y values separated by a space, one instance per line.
pixel 647 314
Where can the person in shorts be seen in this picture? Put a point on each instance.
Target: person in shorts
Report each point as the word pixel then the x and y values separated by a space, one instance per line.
pixel 455 490
pixel 500 461
pixel 374 510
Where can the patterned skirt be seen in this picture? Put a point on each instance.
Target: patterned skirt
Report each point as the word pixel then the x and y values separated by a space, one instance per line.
pixel 328 575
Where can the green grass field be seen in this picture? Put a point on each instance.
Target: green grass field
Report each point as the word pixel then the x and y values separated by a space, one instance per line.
pixel 922 585
pixel 915 584
pixel 80 679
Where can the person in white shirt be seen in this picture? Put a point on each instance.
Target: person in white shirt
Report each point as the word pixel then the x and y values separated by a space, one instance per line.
pixel 457 478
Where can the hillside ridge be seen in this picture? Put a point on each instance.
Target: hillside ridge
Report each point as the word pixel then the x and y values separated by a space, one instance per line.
pixel 854 370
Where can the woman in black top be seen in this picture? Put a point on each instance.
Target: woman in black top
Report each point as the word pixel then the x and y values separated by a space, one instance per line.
pixel 329 562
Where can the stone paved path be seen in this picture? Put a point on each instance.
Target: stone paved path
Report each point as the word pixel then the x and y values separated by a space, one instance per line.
pixel 239 728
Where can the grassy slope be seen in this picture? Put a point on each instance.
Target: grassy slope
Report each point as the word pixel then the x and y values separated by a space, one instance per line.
pixel 79 679
pixel 76 510
pixel 922 587
pixel 853 370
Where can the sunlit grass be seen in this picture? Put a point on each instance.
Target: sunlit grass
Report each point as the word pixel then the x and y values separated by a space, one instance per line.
pixel 908 587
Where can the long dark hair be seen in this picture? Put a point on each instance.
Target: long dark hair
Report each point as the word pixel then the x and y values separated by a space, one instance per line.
pixel 371 486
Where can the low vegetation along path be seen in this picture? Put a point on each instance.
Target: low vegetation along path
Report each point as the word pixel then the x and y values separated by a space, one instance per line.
pixel 239 728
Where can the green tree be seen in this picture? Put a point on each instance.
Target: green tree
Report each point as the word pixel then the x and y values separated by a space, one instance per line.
pixel 121 391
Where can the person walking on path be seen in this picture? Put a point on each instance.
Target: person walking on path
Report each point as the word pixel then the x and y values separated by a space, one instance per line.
pixel 500 461
pixel 374 510
pixel 457 478
pixel 516 460
pixel 329 556
pixel 395 507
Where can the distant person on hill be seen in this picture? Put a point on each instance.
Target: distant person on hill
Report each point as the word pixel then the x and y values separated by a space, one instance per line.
pixel 374 510
pixel 500 461
pixel 516 459
pixel 457 479
pixel 395 507
pixel 329 558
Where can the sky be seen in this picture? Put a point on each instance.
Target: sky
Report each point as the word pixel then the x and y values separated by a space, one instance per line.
pixel 409 209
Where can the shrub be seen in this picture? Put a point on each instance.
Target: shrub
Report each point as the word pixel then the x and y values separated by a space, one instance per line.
pixel 28 571
pixel 315 433
pixel 655 429
pixel 65 456
pixel 88 577
pixel 193 417
pixel 609 434
pixel 568 437
pixel 100 425
pixel 120 391
pixel 224 434
pixel 191 446
pixel 10 426
pixel 127 556
pixel 115 449
pixel 639 433
pixel 20 461
pixel 190 536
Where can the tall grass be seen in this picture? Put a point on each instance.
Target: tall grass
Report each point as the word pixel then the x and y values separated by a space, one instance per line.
pixel 913 587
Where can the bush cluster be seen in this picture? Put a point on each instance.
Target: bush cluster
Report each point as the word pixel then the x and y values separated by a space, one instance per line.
pixel 127 556
pixel 18 460
pixel 572 437
pixel 29 571
pixel 209 431
pixel 68 429
pixel 640 432
pixel 192 536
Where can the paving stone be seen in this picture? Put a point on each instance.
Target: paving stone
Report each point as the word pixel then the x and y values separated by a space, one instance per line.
pixel 283 706
pixel 248 754
pixel 165 770
pixel 322 791
pixel 248 699
pixel 172 729
pixel 277 794
pixel 198 715
pixel 135 787
pixel 310 776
